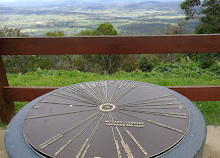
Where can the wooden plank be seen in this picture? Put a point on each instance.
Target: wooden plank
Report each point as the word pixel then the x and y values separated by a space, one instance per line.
pixel 198 93
pixel 26 93
pixel 7 109
pixel 194 93
pixel 111 45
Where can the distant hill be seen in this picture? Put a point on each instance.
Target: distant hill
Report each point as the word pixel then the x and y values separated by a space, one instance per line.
pixel 154 5
pixel 6 10
pixel 150 5
pixel 17 3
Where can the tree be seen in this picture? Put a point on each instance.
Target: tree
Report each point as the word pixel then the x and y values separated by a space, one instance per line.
pixel 101 63
pixel 10 32
pixel 85 33
pixel 14 63
pixel 103 29
pixel 23 64
pixel 171 29
pixel 175 29
pixel 208 13
pixel 58 33
pixel 59 62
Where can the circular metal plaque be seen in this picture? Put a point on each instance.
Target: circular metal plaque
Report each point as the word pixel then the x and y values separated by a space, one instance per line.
pixel 106 119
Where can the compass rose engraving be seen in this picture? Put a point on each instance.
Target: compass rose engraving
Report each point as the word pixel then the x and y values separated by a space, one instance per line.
pixel 106 119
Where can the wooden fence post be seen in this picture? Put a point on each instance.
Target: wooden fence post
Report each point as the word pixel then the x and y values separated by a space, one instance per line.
pixel 7 109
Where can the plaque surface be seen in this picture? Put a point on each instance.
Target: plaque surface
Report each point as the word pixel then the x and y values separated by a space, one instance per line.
pixel 106 119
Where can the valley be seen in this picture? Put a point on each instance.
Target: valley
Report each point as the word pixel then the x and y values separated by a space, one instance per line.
pixel 141 18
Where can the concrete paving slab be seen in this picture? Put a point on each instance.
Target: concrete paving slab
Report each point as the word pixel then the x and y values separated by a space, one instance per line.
pixel 2 136
pixel 212 144
pixel 4 154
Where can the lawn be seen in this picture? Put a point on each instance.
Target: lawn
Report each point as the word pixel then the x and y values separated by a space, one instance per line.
pixel 210 110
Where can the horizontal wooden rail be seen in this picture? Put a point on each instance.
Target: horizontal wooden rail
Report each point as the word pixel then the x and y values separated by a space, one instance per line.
pixel 26 93
pixel 198 93
pixel 194 93
pixel 111 45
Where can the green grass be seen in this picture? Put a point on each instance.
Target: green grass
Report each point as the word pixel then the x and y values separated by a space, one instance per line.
pixel 210 110
pixel 2 125
pixel 64 78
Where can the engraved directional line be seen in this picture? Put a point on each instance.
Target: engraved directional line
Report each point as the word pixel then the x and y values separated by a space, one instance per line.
pixel 41 116
pixel 126 91
pixel 60 135
pixel 104 89
pixel 101 91
pixel 115 141
pixel 79 92
pixel 96 88
pixel 124 145
pixel 70 141
pixel 136 142
pixel 148 99
pixel 148 103
pixel 148 107
pixel 59 94
pixel 177 115
pixel 73 98
pixel 95 96
pixel 86 144
pixel 47 102
pixel 83 93
pixel 133 138
pixel 155 123
pixel 115 89
pixel 170 113
pixel 120 88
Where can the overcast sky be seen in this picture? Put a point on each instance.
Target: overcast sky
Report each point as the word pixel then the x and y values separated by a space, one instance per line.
pixel 70 0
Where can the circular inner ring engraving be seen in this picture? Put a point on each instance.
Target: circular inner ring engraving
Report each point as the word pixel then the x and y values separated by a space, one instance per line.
pixel 107 107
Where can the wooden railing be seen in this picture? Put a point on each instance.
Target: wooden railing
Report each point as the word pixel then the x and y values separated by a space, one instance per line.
pixel 102 45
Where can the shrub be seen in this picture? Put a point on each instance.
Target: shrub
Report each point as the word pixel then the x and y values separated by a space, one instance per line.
pixel 147 62
pixel 215 68
pixel 129 63
pixel 185 69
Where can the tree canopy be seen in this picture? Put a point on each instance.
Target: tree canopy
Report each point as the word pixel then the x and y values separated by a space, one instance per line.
pixel 11 32
pixel 109 63
pixel 102 30
pixel 207 11
pixel 58 33
pixel 175 29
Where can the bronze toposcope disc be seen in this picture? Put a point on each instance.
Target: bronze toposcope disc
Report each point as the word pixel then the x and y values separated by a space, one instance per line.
pixel 106 119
